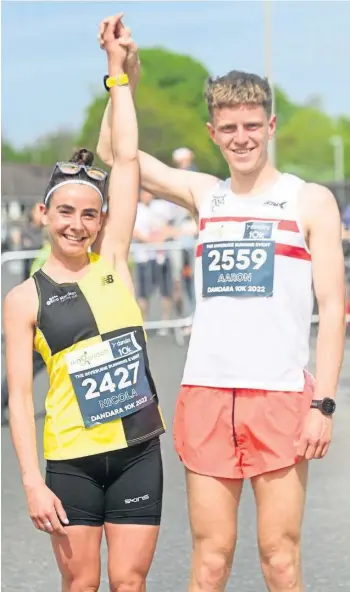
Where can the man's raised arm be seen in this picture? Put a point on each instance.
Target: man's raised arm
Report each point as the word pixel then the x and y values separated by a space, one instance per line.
pixel 115 238
pixel 185 188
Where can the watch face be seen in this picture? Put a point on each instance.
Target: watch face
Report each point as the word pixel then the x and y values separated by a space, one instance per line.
pixel 328 406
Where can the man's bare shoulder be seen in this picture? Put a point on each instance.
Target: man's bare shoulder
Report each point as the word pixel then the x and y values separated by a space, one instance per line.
pixel 200 184
pixel 314 193
pixel 317 201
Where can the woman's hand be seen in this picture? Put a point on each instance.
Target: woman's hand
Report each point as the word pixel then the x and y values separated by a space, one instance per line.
pixel 46 510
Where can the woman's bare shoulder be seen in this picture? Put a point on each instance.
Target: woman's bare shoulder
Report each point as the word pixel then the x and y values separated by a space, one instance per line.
pixel 22 301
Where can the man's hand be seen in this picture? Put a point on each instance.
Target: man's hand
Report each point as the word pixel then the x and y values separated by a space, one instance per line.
pixel 112 39
pixel 316 435
pixel 123 35
pixel 46 510
pixel 132 62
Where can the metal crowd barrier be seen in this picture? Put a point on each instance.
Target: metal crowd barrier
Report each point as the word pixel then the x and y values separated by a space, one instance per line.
pixel 177 324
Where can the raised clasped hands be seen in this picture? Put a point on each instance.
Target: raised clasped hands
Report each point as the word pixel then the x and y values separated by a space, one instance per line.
pixel 117 41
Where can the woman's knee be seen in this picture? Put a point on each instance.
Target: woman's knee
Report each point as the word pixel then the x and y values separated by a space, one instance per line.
pixel 80 584
pixel 132 581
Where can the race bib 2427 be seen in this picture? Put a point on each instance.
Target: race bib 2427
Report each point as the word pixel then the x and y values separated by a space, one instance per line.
pixel 109 379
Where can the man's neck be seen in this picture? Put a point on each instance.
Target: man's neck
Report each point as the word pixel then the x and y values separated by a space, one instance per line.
pixel 254 182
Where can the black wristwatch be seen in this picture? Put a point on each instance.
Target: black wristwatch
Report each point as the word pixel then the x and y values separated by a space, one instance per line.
pixel 327 405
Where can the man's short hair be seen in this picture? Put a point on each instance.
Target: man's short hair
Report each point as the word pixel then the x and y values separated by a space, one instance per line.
pixel 238 88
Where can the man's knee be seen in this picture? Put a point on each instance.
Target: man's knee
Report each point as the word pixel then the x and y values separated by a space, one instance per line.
pixel 212 565
pixel 280 561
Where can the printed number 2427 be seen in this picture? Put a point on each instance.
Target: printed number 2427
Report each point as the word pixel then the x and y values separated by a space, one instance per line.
pixel 244 258
pixel 107 384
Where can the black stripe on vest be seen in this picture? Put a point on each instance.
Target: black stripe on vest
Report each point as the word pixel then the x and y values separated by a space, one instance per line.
pixel 65 316
pixel 148 420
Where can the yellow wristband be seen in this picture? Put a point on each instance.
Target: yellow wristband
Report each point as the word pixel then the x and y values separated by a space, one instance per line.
pixel 120 80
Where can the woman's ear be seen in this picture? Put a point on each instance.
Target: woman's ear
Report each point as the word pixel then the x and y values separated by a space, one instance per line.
pixel 43 214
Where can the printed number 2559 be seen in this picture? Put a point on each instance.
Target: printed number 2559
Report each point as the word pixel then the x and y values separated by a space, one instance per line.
pixel 244 258
pixel 107 383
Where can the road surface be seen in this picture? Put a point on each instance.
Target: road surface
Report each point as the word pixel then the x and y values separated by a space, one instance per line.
pixel 27 560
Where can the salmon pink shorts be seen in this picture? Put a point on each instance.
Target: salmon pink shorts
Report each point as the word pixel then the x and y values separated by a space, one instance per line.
pixel 239 433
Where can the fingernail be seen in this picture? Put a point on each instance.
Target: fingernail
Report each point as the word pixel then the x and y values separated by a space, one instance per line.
pixel 66 521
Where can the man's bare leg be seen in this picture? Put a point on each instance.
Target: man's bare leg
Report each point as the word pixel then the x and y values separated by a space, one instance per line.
pixel 213 505
pixel 280 499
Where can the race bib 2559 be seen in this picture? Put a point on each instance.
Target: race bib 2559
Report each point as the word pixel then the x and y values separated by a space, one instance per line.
pixel 241 268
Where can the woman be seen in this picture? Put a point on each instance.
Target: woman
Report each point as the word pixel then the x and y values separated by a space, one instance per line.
pixel 102 427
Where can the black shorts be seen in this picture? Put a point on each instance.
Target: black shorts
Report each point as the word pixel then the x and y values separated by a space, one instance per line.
pixel 122 487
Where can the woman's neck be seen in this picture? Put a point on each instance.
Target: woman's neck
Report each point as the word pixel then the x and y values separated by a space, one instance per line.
pixel 60 266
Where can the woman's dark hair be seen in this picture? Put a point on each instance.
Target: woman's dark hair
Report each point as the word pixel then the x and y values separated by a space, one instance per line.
pixel 83 157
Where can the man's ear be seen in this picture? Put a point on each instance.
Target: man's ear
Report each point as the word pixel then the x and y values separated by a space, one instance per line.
pixel 211 131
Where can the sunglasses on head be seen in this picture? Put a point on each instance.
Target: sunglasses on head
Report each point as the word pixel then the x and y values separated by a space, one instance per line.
pixel 72 168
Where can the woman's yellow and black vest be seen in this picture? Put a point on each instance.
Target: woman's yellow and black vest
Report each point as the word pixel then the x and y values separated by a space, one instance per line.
pixel 102 396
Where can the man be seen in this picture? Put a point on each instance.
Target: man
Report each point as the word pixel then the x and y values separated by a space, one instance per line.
pixel 346 222
pixel 182 261
pixel 152 268
pixel 32 236
pixel 183 158
pixel 157 222
pixel 346 246
pixel 247 407
pixel 143 258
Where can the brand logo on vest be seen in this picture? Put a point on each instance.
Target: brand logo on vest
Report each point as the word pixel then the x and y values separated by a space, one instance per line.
pixel 107 279
pixel 276 204
pixel 217 201
pixel 258 230
pixel 61 298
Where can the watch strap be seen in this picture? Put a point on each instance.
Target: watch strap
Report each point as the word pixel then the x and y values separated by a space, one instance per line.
pixel 315 404
pixel 327 406
pixel 120 80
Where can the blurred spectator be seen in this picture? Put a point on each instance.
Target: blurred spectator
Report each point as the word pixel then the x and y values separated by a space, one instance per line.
pixel 183 158
pixel 346 222
pixel 32 236
pixel 152 267
pixel 144 259
pixel 182 260
pixel 346 246
pixel 5 239
pixel 38 365
pixel 162 212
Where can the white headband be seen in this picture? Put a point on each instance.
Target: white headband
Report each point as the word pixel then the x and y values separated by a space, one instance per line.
pixel 68 182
